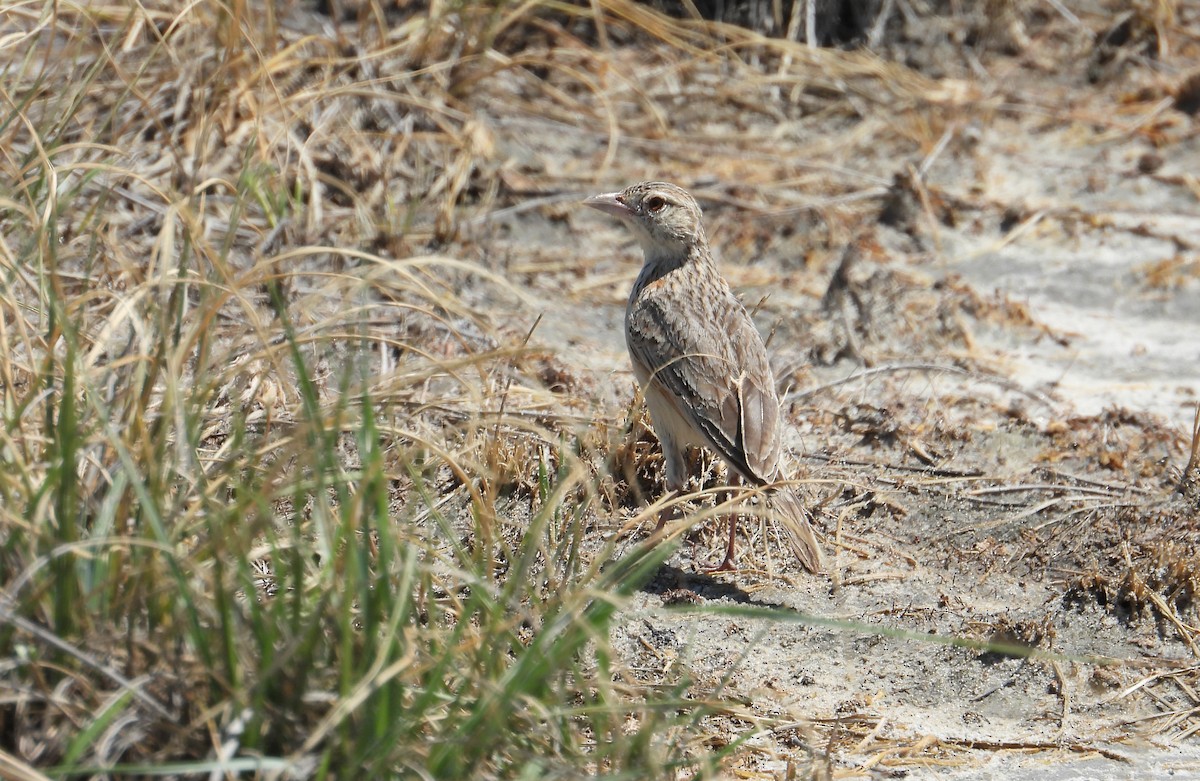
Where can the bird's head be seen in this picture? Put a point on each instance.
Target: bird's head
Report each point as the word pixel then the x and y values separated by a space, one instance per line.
pixel 665 218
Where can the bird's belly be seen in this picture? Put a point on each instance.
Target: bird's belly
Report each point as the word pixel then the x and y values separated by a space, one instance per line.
pixel 668 420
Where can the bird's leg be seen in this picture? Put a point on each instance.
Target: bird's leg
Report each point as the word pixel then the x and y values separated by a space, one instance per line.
pixel 675 467
pixel 669 513
pixel 727 565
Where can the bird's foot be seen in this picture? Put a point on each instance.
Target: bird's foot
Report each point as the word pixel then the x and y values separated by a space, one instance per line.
pixel 725 566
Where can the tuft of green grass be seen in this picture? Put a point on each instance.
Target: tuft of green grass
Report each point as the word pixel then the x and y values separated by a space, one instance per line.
pixel 268 503
pixel 282 489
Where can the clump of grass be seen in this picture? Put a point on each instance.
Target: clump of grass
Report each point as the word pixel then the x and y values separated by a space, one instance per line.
pixel 253 513
pixel 279 494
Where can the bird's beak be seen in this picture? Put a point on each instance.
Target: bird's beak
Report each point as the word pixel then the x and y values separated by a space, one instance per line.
pixel 610 203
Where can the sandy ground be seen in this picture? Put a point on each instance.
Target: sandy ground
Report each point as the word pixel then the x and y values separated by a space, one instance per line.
pixel 989 419
pixel 979 275
pixel 943 547
pixel 975 255
pixel 929 550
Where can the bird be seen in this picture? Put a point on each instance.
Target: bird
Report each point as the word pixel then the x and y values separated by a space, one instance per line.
pixel 699 360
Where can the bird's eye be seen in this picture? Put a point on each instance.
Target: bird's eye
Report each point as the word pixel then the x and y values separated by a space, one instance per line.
pixel 655 204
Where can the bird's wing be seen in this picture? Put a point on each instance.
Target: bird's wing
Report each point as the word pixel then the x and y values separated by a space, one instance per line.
pixel 713 366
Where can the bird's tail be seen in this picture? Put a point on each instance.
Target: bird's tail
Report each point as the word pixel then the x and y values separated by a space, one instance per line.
pixel 790 512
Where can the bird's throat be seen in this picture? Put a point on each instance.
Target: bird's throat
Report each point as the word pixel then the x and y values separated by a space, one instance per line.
pixel 661 262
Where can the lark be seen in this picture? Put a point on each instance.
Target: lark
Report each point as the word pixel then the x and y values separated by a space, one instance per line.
pixel 700 361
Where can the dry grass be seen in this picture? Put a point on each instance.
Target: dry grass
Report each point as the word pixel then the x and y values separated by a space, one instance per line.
pixel 288 486
pixel 277 495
